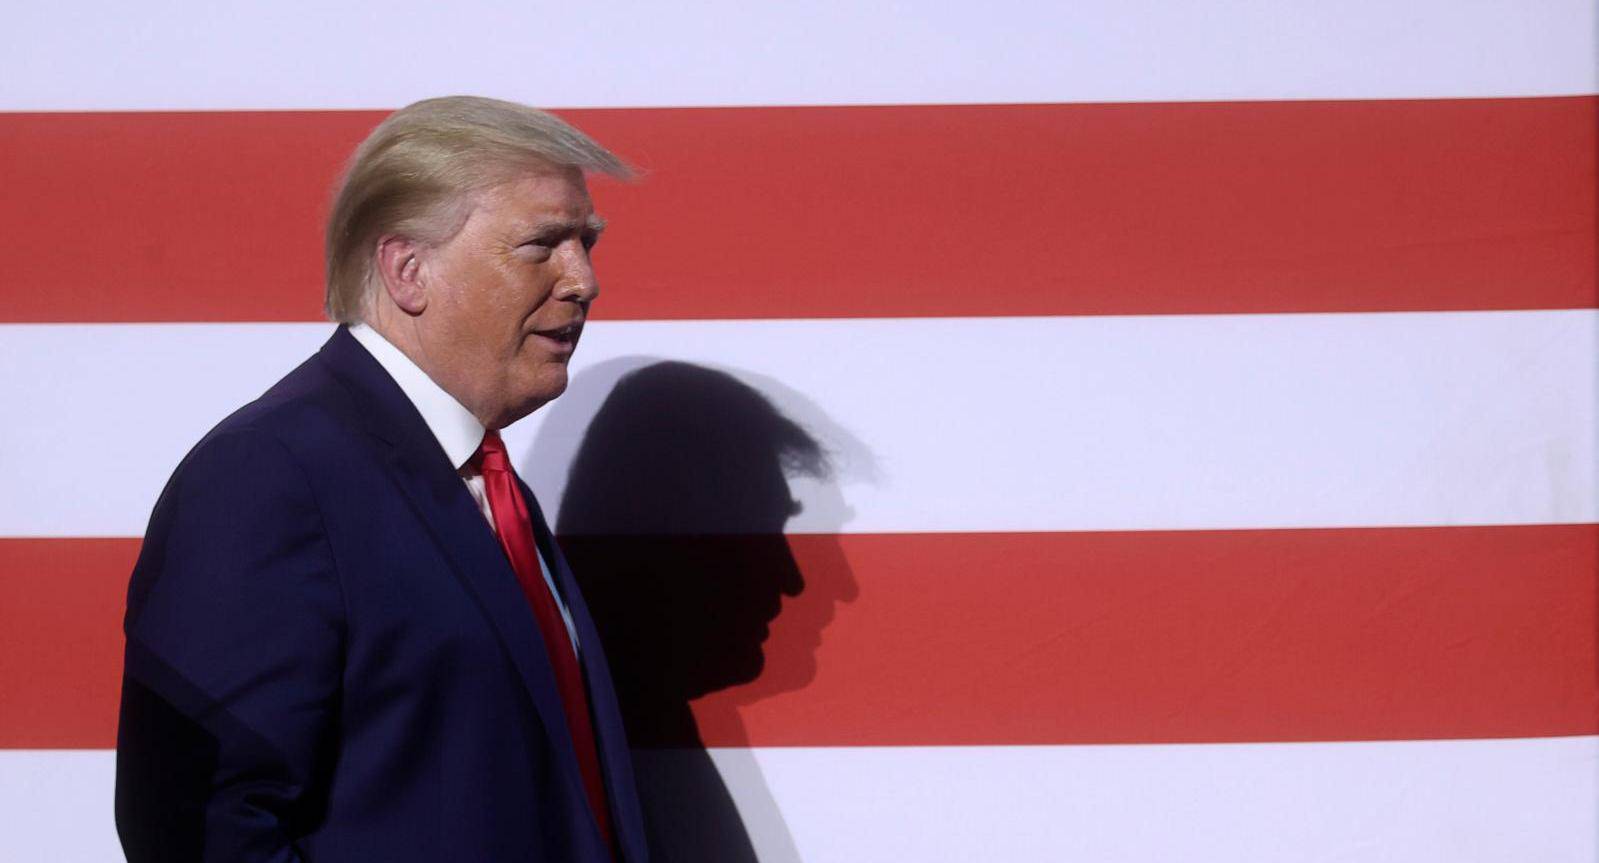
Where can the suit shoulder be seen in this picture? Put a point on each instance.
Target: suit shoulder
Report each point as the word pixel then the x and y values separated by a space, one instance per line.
pixel 283 438
pixel 306 396
pixel 306 412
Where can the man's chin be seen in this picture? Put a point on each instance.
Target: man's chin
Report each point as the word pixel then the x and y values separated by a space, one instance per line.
pixel 549 389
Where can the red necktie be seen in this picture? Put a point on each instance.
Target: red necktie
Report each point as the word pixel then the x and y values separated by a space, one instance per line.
pixel 515 527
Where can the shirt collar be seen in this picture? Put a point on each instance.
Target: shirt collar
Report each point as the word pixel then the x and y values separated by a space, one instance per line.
pixel 457 431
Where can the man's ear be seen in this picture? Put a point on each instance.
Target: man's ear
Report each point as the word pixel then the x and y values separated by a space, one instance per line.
pixel 399 266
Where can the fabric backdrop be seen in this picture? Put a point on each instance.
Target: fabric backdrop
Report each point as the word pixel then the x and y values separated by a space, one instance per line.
pixel 1204 393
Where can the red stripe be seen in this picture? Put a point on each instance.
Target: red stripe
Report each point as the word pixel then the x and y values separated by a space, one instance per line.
pixel 61 604
pixel 1032 638
pixel 869 211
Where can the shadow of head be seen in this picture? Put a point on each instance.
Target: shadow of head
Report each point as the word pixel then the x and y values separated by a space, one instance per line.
pixel 673 519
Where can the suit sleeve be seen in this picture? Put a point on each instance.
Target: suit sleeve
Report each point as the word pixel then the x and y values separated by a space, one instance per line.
pixel 231 679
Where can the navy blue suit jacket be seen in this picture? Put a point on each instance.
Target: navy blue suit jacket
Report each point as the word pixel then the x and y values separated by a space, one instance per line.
pixel 330 659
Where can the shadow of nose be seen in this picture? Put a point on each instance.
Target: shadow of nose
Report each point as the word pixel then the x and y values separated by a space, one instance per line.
pixel 790 582
pixel 831 575
pixel 848 589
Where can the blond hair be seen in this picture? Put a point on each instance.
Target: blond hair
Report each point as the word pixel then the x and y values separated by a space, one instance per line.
pixel 414 174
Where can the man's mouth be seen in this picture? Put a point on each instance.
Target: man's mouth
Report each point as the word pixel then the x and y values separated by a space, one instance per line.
pixel 563 338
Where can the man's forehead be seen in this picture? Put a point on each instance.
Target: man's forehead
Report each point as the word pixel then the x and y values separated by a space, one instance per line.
pixel 542 197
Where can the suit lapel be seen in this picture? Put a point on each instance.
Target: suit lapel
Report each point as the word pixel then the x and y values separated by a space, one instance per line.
pixel 616 758
pixel 438 496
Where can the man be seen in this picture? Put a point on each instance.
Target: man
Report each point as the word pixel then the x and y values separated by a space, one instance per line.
pixel 350 635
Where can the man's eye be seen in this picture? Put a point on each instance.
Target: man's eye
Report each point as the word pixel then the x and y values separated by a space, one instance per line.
pixel 589 240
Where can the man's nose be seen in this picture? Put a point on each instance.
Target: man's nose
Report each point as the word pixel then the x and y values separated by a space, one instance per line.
pixel 577 277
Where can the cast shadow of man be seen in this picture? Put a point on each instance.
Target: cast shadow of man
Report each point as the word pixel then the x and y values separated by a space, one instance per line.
pixel 672 518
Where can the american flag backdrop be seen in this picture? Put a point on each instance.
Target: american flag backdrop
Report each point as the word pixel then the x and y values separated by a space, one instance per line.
pixel 1208 391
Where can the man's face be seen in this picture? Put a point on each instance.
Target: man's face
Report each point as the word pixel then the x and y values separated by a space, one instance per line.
pixel 508 294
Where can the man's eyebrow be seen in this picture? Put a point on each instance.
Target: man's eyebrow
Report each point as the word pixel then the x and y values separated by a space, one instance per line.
pixel 594 224
pixel 564 226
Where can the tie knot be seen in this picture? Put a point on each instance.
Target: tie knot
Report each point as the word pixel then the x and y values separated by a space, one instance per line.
pixel 490 455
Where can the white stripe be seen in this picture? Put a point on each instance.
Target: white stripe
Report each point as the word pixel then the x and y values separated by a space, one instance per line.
pixel 1416 802
pixel 58 806
pixel 1449 802
pixel 94 55
pixel 941 425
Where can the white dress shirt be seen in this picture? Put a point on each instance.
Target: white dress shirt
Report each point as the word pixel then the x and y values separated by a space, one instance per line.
pixel 456 429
